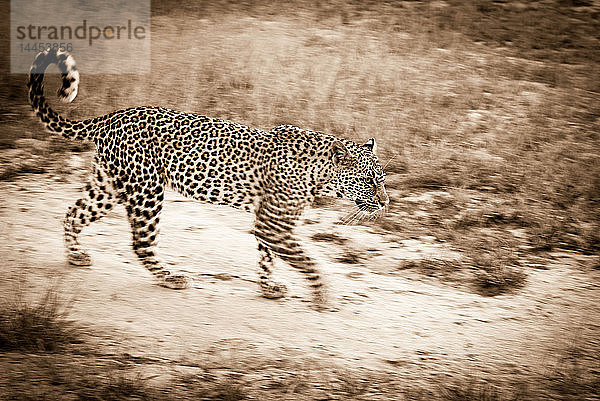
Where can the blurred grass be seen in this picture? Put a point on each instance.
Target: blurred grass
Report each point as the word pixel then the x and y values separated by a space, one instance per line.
pixel 109 377
pixel 35 326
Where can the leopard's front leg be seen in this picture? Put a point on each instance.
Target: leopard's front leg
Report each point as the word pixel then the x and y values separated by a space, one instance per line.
pixel 270 289
pixel 275 220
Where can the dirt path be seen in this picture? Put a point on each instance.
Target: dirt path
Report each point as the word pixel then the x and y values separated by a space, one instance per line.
pixel 388 319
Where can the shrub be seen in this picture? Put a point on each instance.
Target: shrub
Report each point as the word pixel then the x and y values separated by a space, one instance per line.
pixel 35 326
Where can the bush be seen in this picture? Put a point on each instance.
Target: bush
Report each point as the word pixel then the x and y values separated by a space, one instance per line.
pixel 30 326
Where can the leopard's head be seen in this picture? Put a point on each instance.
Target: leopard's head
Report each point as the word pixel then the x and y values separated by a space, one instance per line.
pixel 358 176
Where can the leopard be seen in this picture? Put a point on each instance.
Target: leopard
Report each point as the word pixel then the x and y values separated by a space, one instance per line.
pixel 140 152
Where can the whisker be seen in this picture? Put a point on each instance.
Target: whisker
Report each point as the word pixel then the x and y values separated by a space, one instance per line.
pixel 389 161
pixel 349 217
pixel 342 220
pixel 360 217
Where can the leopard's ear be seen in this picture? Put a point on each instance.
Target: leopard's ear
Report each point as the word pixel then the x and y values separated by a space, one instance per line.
pixel 341 157
pixel 371 145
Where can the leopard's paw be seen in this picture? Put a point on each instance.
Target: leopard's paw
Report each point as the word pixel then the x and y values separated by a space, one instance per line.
pixel 273 290
pixel 176 281
pixel 79 258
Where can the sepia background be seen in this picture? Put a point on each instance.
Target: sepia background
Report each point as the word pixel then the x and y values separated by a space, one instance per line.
pixel 480 283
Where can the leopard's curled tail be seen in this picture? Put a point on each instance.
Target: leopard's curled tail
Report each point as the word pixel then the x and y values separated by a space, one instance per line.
pixel 70 82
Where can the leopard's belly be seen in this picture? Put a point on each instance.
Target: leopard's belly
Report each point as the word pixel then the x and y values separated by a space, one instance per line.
pixel 216 167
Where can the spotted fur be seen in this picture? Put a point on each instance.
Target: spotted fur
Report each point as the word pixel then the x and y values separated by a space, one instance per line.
pixel 141 151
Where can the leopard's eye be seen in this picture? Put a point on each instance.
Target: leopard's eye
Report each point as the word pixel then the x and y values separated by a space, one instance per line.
pixel 371 181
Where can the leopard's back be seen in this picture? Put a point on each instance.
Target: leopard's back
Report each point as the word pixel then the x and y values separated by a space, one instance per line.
pixel 208 159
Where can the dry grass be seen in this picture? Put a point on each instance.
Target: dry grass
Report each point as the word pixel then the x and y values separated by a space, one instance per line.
pixel 445 270
pixel 498 279
pixel 84 373
pixel 114 378
pixel 570 379
pixel 35 326
pixel 473 391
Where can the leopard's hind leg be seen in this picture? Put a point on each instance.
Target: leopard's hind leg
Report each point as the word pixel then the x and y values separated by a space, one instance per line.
pixel 97 201
pixel 144 202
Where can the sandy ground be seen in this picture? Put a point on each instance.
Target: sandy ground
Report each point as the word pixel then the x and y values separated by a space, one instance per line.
pixel 387 319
